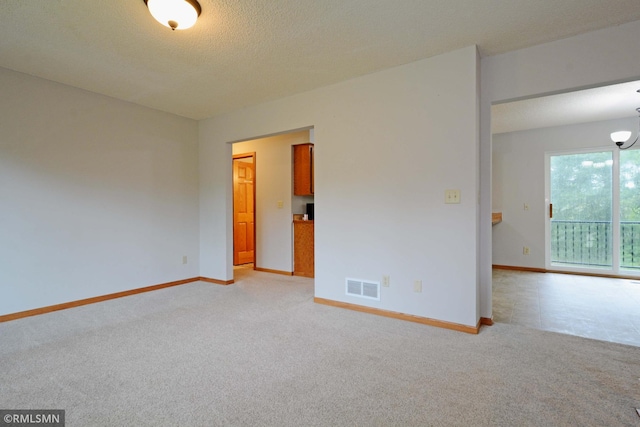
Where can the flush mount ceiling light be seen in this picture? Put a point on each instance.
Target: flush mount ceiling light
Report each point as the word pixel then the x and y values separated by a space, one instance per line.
pixel 175 14
pixel 622 136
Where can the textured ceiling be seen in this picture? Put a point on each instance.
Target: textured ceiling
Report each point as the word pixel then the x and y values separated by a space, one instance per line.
pixel 591 105
pixel 242 52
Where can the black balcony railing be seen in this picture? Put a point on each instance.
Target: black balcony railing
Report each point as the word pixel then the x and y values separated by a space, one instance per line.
pixel 588 243
pixel 630 244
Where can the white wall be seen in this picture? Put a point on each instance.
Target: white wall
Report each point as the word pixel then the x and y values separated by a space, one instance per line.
pixel 383 161
pixel 588 60
pixel 380 131
pixel 97 195
pixel 273 184
pixel 519 178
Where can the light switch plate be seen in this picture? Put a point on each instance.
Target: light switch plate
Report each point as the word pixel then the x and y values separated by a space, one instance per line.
pixel 452 196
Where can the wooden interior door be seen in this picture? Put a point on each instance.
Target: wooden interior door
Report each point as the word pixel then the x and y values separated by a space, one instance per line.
pixel 243 209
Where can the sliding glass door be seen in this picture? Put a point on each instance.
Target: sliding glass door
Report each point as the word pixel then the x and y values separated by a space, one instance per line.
pixel 594 212
pixel 630 212
pixel 581 210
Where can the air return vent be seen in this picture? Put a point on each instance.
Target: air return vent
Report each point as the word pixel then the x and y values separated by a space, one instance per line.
pixel 363 288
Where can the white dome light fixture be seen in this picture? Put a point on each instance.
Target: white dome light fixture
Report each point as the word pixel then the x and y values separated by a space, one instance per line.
pixel 622 136
pixel 175 14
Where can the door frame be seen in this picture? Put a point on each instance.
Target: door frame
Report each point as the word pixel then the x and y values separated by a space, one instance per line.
pixel 251 155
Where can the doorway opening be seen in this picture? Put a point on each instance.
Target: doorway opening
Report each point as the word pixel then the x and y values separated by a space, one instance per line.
pixel 275 206
pixel 592 230
pixel 244 217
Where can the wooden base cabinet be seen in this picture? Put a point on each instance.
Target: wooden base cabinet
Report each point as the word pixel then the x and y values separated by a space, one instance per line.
pixel 303 248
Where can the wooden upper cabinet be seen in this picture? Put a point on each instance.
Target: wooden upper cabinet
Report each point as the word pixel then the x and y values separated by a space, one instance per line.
pixel 303 170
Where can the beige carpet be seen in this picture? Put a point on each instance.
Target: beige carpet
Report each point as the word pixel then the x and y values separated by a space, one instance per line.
pixel 260 352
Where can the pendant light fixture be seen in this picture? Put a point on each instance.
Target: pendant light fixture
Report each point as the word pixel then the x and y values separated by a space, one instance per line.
pixel 622 136
pixel 175 14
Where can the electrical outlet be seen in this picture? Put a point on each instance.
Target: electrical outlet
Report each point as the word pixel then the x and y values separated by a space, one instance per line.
pixel 184 259
pixel 525 250
pixel 280 204
pixel 417 286
pixel 385 281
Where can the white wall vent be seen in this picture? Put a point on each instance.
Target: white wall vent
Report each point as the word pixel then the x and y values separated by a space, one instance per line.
pixel 363 288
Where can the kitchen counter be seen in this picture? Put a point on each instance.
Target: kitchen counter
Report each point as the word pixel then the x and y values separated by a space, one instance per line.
pixel 496 217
